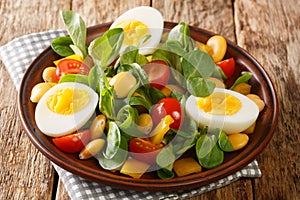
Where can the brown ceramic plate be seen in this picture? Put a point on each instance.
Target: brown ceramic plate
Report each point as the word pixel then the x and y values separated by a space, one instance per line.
pixel 90 169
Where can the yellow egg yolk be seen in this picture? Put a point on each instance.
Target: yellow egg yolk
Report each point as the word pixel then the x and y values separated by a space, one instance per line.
pixel 134 31
pixel 220 103
pixel 68 100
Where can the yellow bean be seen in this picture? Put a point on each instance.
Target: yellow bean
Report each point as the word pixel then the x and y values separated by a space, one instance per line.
pixel 203 47
pixel 92 148
pixel 250 129
pixel 259 102
pixel 39 90
pixel 49 74
pixel 218 82
pixel 218 47
pixel 238 140
pixel 145 123
pixel 98 126
pixel 243 88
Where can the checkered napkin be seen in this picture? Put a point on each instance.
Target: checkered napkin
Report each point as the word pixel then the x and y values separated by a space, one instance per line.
pixel 17 56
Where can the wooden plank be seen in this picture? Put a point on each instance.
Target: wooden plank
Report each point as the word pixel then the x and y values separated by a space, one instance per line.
pixel 61 192
pixel 214 15
pixel 25 173
pixel 269 30
pixel 97 12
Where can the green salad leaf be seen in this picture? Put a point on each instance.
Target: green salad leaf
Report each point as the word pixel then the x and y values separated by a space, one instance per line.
pixel 208 152
pixel 142 99
pixel 224 142
pixel 61 46
pixel 175 47
pixel 165 160
pixel 93 78
pixel 127 120
pixel 129 55
pixel 106 98
pixel 197 63
pixel 113 140
pixel 200 87
pixel 79 78
pixel 166 156
pixel 244 78
pixel 186 137
pixel 181 33
pixel 166 173
pixel 105 49
pixel 76 29
pixel 118 159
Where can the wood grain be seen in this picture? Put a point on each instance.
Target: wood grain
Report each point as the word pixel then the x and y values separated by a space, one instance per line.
pixel 268 29
pixel 214 15
pixel 96 12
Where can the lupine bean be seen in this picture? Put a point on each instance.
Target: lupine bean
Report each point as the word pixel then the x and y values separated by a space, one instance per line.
pixel 98 126
pixel 259 102
pixel 92 148
pixel 123 82
pixel 39 90
pixel 49 74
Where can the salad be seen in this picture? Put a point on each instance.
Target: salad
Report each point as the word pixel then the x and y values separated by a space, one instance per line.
pixel 141 99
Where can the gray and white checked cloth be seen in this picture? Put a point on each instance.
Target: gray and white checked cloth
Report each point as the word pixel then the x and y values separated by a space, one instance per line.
pixel 17 56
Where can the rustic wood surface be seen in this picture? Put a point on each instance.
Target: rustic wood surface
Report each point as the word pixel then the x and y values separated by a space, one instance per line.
pixel 267 29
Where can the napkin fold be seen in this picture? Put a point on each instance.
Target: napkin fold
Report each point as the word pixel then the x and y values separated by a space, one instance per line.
pixel 17 56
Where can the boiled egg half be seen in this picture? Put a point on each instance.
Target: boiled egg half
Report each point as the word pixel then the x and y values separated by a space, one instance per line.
pixel 225 109
pixel 65 108
pixel 138 23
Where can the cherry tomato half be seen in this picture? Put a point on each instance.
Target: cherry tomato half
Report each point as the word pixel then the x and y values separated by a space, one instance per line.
pixel 168 106
pixel 71 66
pixel 158 73
pixel 143 150
pixel 73 143
pixel 227 66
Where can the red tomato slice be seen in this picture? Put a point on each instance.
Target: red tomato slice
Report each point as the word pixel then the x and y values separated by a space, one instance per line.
pixel 144 150
pixel 73 143
pixel 71 66
pixel 168 106
pixel 227 66
pixel 158 73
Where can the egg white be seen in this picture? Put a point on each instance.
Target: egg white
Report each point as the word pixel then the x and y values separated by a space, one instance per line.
pixel 150 17
pixel 235 123
pixel 56 125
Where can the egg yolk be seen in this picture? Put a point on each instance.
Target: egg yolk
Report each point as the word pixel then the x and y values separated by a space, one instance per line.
pixel 68 100
pixel 134 31
pixel 219 103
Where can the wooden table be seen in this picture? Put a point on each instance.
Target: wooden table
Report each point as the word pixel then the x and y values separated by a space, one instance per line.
pixel 268 29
